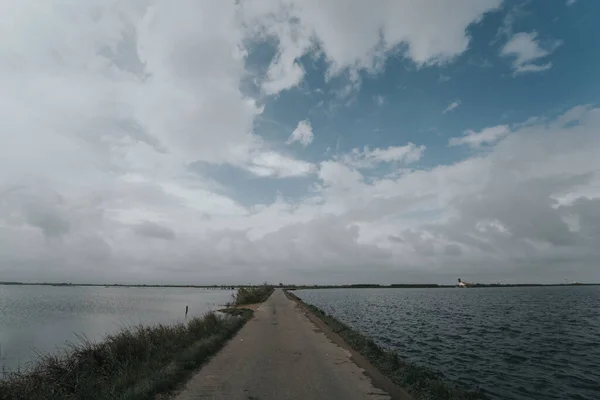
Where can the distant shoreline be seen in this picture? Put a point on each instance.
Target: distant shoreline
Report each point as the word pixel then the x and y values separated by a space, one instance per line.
pixel 434 286
pixel 225 287
pixel 351 286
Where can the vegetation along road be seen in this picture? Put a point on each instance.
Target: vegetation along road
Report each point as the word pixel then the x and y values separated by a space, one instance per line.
pixel 282 354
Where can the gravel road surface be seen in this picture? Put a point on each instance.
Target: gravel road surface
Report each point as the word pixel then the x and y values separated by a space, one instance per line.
pixel 280 354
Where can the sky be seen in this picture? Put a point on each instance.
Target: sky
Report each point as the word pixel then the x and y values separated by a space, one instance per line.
pixel 299 141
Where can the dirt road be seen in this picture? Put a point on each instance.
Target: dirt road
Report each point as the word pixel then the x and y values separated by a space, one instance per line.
pixel 280 354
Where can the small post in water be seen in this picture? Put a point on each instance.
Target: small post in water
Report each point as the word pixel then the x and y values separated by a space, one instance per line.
pixel 186 311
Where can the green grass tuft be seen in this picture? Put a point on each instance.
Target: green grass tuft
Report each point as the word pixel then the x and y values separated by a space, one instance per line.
pixel 135 363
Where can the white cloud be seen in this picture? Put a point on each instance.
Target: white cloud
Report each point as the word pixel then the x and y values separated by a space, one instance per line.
pixel 97 143
pixel 368 158
pixel 480 217
pixel 477 139
pixel 335 174
pixel 154 230
pixel 354 34
pixel 533 68
pixel 451 106
pixel 302 134
pixel 527 52
pixel 272 164
pixel 379 100
pixel 282 76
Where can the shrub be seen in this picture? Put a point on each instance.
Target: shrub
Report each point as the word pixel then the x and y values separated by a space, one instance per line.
pixel 252 295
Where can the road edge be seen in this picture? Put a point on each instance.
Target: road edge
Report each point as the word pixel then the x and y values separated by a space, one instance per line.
pixel 378 379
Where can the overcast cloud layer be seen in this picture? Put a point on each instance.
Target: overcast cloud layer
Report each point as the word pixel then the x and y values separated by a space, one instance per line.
pixel 108 109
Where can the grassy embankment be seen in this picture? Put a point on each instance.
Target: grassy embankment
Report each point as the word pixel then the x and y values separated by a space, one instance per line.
pixel 421 383
pixel 252 295
pixel 135 363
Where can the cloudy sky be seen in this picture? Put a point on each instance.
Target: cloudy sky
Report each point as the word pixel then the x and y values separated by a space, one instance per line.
pixel 309 141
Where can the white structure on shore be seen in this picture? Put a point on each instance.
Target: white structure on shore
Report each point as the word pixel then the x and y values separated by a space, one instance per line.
pixel 463 284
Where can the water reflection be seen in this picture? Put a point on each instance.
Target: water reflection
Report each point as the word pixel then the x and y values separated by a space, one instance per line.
pixel 516 343
pixel 43 318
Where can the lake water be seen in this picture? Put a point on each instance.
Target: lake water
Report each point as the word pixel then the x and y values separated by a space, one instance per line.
pixel 43 318
pixel 514 343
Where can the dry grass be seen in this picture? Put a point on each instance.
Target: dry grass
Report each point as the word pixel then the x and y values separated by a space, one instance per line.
pixel 135 363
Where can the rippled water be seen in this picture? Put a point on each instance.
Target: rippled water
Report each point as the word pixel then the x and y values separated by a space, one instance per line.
pixel 515 343
pixel 43 318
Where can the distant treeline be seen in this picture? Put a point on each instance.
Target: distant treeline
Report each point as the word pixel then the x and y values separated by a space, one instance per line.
pixel 395 285
pixel 430 286
pixel 366 286
pixel 126 285
pixel 350 286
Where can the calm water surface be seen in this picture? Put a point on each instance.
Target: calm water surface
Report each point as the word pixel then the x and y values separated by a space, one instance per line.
pixel 514 343
pixel 43 318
